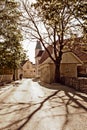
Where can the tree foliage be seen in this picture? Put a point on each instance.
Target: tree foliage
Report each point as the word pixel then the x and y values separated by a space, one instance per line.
pixel 81 12
pixel 51 22
pixel 11 51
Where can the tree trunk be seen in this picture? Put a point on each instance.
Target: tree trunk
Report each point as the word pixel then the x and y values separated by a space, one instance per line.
pixel 57 73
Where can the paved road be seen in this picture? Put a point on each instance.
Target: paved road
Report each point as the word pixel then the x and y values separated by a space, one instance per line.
pixel 27 105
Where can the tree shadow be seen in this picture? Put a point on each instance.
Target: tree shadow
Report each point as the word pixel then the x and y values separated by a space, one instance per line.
pixel 69 98
pixel 61 97
pixel 26 108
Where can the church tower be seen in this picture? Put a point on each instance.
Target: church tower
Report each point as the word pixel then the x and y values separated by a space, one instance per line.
pixel 38 48
pixel 38 53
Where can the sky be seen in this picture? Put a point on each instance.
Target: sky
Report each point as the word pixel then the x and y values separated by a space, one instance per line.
pixel 30 48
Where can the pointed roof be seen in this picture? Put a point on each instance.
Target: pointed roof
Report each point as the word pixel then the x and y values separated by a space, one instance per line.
pixel 82 55
pixel 45 54
pixel 40 53
pixel 38 45
pixel 23 62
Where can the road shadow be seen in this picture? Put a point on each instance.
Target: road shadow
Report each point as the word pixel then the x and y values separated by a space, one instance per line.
pixel 24 107
pixel 72 102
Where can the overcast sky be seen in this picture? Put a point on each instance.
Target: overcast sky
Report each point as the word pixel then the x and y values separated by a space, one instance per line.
pixel 30 48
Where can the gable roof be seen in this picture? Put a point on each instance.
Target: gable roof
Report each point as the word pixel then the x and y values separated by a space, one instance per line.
pixel 81 55
pixel 23 62
pixel 45 54
pixel 40 53
pixel 70 57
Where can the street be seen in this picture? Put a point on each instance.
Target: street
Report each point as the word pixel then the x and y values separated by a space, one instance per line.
pixel 28 105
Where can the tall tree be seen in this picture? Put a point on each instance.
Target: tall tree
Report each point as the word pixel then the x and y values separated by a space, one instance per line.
pixel 51 21
pixel 79 11
pixel 11 51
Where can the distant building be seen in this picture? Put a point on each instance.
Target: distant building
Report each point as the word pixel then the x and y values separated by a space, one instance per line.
pixel 28 69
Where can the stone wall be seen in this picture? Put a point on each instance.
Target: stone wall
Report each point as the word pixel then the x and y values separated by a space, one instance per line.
pixel 6 78
pixel 79 84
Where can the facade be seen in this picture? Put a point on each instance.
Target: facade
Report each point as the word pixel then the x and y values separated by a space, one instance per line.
pixel 68 67
pixel 82 55
pixel 25 70
pixel 73 64
pixel 28 69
